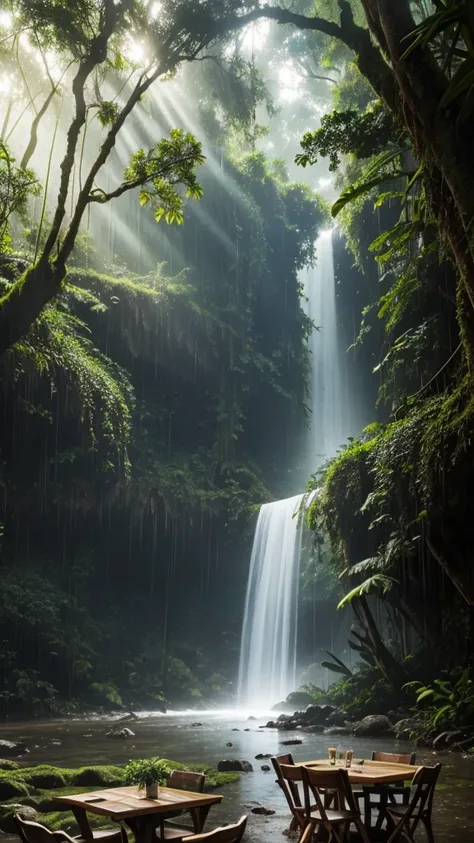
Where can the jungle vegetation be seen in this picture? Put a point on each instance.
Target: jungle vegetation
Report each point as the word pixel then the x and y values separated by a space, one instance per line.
pixel 101 362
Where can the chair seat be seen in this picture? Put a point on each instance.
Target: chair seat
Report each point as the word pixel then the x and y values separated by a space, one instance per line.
pixel 335 816
pixel 101 834
pixel 174 833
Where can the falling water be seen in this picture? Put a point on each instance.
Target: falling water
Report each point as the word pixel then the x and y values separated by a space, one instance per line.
pixel 332 413
pixel 267 670
pixel 268 648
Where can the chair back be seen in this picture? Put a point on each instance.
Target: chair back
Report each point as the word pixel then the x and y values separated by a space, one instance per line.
pixel 393 758
pixel 322 783
pixel 185 780
pixel 226 834
pixel 288 785
pixel 31 832
pixel 421 800
pixel 290 781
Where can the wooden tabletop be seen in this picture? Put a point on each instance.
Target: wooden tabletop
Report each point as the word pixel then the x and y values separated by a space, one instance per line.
pixel 122 802
pixel 370 772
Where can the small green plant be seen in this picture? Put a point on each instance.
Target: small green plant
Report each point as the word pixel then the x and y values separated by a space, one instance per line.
pixel 147 771
pixel 448 702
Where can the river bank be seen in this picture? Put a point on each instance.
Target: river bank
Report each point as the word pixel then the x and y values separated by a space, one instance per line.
pixel 79 743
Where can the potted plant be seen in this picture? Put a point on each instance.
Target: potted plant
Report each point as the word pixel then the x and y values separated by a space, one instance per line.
pixel 147 774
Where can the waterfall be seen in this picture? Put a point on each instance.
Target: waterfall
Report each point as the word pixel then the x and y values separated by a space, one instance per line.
pixel 268 654
pixel 268 646
pixel 332 419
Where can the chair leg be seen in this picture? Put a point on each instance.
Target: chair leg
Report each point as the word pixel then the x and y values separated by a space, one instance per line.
pixel 307 834
pixel 362 830
pixel 429 828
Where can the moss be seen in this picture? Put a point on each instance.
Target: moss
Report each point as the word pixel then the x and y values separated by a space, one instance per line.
pixel 6 764
pixel 39 787
pixel 43 777
pixel 12 788
pixel 96 776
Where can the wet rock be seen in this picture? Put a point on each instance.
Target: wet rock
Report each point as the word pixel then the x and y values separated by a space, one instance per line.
pixel 195 725
pixel 270 725
pixel 238 730
pixel 374 726
pixel 337 718
pixel 265 768
pixel 292 742
pixel 262 755
pixel 313 729
pixel 339 730
pixel 283 718
pixel 251 717
pixel 7 812
pixel 120 733
pixel 129 718
pixel 12 748
pixel 248 730
pixel 229 744
pixel 234 766
pixel 284 706
pixel 300 698
pixel 261 809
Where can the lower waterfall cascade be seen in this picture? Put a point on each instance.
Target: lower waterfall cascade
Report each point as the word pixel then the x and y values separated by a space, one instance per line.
pixel 268 652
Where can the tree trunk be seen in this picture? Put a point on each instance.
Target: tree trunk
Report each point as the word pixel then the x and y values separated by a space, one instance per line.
pixel 24 302
pixel 389 666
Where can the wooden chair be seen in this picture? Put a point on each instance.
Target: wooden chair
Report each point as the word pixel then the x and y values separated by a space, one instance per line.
pixel 224 834
pixel 404 819
pixel 176 831
pixel 32 832
pixel 289 787
pixel 376 798
pixel 336 820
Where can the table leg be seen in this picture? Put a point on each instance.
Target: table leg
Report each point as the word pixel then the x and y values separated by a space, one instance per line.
pixel 80 816
pixel 143 828
pixel 199 817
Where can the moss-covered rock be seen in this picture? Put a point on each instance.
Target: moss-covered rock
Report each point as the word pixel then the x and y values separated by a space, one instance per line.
pixel 8 811
pixel 7 764
pixel 12 787
pixel 43 777
pixel 97 776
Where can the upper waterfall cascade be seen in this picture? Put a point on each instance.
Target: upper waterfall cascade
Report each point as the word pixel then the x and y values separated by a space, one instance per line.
pixel 268 654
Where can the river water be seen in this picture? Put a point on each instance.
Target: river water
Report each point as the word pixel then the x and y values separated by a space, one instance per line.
pixel 74 743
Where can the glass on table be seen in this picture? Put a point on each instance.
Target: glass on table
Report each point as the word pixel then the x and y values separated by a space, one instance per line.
pixel 332 755
pixel 349 755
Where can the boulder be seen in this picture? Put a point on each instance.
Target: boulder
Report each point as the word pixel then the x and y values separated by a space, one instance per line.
pixel 12 789
pixel 12 748
pixel 284 706
pixel 44 777
pixel 316 715
pixel 299 698
pixel 292 742
pixel 283 718
pixel 8 764
pixel 270 725
pixel 312 729
pixel 251 717
pixel 7 812
pixel 120 733
pixel 234 766
pixel 261 809
pixel 265 768
pixel 374 726
pixel 107 776
pixel 339 730
pixel 404 728
pixel 337 718
pixel 262 755
pixel 195 725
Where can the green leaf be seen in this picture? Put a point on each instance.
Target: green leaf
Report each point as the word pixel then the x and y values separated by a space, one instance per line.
pixel 354 191
pixel 428 692
pixel 335 668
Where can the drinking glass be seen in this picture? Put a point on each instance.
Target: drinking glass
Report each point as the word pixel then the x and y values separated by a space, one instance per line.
pixel 332 755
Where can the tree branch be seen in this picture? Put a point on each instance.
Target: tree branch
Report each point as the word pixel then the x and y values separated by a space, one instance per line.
pixel 99 195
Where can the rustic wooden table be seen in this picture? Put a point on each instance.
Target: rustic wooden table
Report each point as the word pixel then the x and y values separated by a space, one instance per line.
pixel 370 772
pixel 142 815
